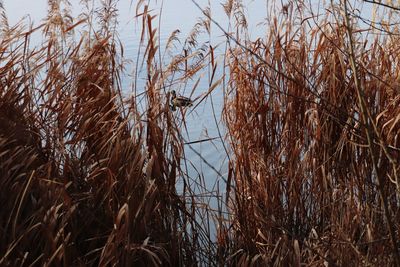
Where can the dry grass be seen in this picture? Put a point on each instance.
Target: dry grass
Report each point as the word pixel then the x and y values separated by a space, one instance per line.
pixel 85 179
pixel 89 176
pixel 307 185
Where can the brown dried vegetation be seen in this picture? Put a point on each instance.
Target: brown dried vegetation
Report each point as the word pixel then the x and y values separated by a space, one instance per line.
pixel 85 180
pixel 307 185
pixel 88 175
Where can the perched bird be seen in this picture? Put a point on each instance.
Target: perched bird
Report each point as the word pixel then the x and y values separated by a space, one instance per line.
pixel 179 101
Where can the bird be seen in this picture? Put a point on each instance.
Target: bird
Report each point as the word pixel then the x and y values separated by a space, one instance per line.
pixel 179 101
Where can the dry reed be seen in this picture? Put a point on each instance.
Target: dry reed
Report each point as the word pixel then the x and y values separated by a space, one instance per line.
pixel 88 176
pixel 315 144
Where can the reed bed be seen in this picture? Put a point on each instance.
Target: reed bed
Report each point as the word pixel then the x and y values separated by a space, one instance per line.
pixel 312 113
pixel 94 175
pixel 87 176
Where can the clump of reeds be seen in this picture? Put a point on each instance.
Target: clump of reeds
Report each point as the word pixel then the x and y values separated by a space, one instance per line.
pixel 316 145
pixel 86 177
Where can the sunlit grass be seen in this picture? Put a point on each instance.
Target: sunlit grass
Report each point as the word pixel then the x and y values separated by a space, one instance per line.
pixel 90 175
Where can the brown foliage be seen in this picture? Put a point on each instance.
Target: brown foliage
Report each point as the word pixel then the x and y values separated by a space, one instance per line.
pixel 84 180
pixel 304 185
pixel 88 175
